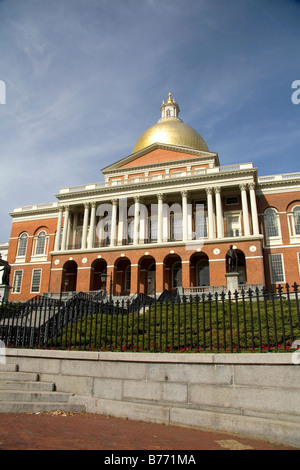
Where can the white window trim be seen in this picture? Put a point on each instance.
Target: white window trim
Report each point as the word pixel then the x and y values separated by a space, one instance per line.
pixel 13 285
pixel 31 285
pixel 294 238
pixel 21 258
pixel 228 215
pixel 271 271
pixel 275 240
pixel 42 256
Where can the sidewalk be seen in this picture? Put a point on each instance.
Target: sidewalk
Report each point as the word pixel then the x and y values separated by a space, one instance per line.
pixel 83 431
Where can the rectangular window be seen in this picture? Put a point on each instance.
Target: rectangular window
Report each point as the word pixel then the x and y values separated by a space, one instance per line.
pixel 276 268
pixel 233 226
pixel 17 282
pixel 200 217
pixel 153 229
pixel 232 200
pixel 36 280
pixel 176 227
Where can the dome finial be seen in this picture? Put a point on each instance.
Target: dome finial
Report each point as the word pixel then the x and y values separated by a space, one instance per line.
pixel 169 109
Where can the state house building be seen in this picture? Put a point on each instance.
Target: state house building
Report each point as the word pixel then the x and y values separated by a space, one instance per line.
pixel 164 218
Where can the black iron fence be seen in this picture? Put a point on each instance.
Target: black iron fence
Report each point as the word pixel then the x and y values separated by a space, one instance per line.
pixel 248 320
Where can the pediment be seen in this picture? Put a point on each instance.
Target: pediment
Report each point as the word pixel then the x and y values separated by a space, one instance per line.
pixel 158 154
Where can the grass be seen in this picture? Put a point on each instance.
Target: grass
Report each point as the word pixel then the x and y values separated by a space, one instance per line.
pixel 217 326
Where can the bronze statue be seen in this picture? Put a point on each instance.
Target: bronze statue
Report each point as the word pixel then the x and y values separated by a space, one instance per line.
pixel 231 260
pixel 5 267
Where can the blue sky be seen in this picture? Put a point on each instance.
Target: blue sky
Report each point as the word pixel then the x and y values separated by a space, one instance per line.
pixel 85 78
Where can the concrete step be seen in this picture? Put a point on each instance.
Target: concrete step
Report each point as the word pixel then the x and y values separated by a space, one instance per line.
pixel 33 407
pixel 19 376
pixel 22 392
pixel 8 368
pixel 33 386
pixel 34 396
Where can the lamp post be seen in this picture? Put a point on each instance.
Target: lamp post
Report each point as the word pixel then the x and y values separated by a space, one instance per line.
pixel 103 277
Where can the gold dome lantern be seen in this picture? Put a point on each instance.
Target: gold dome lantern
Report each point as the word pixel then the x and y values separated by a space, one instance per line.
pixel 170 129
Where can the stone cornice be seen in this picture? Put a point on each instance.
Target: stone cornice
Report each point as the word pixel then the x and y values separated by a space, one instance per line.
pixel 33 211
pixel 124 189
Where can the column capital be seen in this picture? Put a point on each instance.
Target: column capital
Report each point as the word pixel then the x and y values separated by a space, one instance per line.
pixel 184 193
pixel 136 199
pixel 209 190
pixel 160 196
pixel 217 189
pixel 114 202
pixel 243 186
pixel 252 185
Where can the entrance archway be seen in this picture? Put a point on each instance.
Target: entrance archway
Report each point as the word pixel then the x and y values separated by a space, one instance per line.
pixel 147 275
pixel 122 278
pixel 69 277
pixel 199 264
pixel 99 266
pixel 241 267
pixel 172 272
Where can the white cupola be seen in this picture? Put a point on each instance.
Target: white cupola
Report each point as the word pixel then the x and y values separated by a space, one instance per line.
pixel 169 109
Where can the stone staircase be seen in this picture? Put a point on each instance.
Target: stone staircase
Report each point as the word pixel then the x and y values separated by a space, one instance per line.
pixel 22 392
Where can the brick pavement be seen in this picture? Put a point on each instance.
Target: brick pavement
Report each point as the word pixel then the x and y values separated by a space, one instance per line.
pixel 84 431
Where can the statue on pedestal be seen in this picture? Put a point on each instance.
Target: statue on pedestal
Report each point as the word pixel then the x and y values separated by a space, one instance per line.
pixel 231 260
pixel 5 269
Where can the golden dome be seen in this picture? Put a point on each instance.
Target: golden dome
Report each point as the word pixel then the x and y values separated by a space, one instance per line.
pixel 171 130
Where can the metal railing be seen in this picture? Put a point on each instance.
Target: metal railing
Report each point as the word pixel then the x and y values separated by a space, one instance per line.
pixel 246 321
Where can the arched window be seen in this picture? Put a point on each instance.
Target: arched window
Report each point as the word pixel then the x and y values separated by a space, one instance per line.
pixel 271 223
pixel 296 215
pixel 203 273
pixel 40 243
pixel 22 245
pixel 177 274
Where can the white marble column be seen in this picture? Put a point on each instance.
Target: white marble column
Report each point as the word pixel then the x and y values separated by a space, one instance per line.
pixel 160 218
pixel 136 220
pixel 253 204
pixel 113 232
pixel 58 230
pixel 122 232
pixel 65 229
pixel 85 225
pixel 243 188
pixel 219 210
pixel 210 213
pixel 184 216
pixel 91 237
pixel 143 222
pixel 74 234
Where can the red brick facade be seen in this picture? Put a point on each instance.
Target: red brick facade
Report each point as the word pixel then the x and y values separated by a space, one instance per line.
pixel 236 205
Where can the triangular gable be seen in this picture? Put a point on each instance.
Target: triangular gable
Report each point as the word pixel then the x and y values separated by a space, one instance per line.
pixel 159 154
